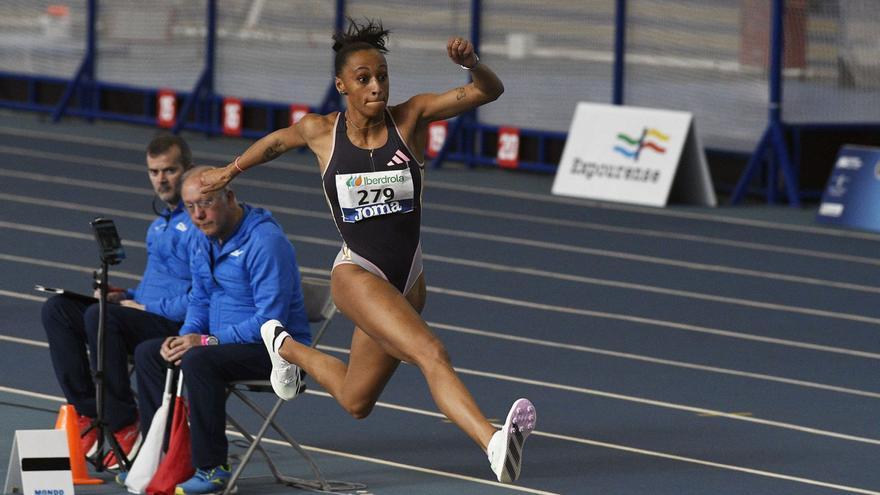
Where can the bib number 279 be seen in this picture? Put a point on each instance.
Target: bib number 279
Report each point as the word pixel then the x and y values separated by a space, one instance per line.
pixel 386 193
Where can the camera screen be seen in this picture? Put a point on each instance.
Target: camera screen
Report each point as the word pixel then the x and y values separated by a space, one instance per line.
pixel 108 240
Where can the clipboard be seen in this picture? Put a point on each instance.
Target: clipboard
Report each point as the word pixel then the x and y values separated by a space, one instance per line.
pixel 64 292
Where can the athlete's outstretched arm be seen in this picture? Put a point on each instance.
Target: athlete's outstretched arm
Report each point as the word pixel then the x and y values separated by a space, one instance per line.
pixel 485 86
pixel 265 149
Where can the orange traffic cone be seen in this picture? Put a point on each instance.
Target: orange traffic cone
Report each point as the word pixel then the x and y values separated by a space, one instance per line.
pixel 67 421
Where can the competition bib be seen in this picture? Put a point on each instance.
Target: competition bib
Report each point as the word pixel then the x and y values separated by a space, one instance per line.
pixel 373 194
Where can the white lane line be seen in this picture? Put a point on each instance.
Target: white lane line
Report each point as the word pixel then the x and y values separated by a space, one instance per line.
pixel 575 347
pixel 692 460
pixel 493 214
pixel 623 285
pixel 565 438
pixel 36 229
pixel 493 238
pixel 650 402
pixel 606 395
pixel 655 260
pixel 567 309
pixel 544 198
pixel 591 350
pixel 63 266
pixel 642 287
pixel 410 467
pixel 664 362
pixel 715 268
pixel 17 295
pixel 348 455
pixel 28 393
pixel 583 312
pixel 19 340
pixel 577 224
pixel 664 212
pixel 67 205
pixel 721 333
pixel 634 450
pixel 614 316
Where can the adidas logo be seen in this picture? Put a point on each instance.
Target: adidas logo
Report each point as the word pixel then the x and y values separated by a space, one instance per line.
pixel 181 227
pixel 398 158
pixel 237 253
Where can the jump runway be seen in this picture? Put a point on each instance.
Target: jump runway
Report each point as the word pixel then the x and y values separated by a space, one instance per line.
pixel 668 351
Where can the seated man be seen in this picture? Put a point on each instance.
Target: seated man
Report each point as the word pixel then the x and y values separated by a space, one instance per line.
pixel 154 309
pixel 244 273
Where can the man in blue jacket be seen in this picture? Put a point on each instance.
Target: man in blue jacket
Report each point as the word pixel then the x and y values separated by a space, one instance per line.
pixel 244 273
pixel 154 308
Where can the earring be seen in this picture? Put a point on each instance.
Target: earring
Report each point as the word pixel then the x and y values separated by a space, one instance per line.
pixel 342 93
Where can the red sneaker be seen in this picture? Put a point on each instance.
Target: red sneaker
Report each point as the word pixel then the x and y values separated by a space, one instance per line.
pixel 89 441
pixel 129 439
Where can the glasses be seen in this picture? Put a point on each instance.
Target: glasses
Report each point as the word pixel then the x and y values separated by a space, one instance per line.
pixel 203 204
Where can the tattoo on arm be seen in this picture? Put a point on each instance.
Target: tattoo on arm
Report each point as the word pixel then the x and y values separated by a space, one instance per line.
pixel 273 151
pixel 460 95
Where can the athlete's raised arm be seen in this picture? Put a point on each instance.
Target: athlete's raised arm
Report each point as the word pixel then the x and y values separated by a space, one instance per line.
pixel 485 86
pixel 265 149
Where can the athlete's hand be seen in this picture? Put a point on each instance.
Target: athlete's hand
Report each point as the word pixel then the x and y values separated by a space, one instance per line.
pixel 461 51
pixel 216 179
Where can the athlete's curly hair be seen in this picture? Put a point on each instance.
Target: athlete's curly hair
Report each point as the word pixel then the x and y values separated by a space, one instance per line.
pixel 358 37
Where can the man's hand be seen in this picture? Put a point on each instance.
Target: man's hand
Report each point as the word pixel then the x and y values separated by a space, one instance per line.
pixel 115 295
pixel 174 348
pixel 131 303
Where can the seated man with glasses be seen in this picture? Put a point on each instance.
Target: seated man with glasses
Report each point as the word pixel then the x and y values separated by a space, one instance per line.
pixel 244 273
pixel 154 309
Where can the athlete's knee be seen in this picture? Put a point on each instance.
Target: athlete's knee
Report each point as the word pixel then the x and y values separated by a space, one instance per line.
pixel 432 355
pixel 358 409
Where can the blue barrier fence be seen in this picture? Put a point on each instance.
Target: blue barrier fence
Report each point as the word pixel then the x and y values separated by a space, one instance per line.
pixel 472 139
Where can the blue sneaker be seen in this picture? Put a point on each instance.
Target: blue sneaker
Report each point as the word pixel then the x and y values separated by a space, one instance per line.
pixel 205 481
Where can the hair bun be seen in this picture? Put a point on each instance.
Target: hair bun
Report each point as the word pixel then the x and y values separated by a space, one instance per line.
pixel 371 34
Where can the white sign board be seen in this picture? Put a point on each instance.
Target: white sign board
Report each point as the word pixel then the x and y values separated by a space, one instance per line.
pixel 39 464
pixel 633 155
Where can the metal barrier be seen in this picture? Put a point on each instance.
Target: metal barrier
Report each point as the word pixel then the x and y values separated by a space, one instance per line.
pixel 201 65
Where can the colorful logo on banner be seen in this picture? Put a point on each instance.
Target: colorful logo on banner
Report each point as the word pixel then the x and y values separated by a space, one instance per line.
pixel 632 147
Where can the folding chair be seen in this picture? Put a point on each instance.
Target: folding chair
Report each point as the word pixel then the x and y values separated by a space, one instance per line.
pixel 319 309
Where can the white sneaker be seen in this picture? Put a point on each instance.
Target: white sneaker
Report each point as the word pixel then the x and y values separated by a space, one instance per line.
pixel 286 378
pixel 506 446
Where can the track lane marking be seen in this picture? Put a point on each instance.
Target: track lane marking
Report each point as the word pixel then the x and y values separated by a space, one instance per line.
pixel 616 284
pixel 337 453
pixel 506 215
pixel 700 411
pixel 664 212
pixel 567 438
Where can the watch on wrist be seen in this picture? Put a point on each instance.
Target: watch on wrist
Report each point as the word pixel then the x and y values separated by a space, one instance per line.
pixel 209 340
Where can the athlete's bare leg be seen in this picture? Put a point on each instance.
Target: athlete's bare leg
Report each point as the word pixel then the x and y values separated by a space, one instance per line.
pixel 383 314
pixel 389 330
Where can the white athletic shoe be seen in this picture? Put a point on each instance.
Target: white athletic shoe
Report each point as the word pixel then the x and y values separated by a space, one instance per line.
pixel 286 378
pixel 506 446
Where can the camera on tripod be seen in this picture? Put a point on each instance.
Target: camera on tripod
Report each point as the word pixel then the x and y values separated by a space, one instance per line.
pixel 109 244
